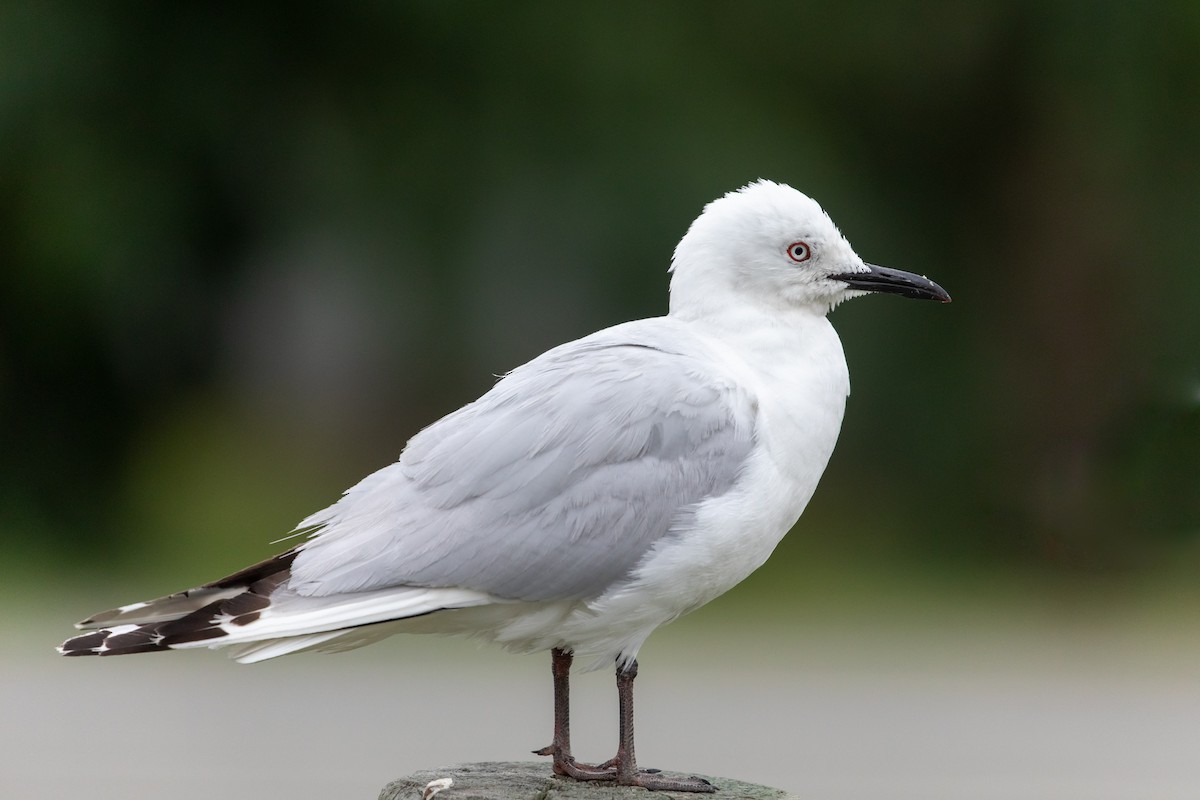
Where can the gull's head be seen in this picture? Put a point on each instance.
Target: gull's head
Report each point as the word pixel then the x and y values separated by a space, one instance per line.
pixel 768 243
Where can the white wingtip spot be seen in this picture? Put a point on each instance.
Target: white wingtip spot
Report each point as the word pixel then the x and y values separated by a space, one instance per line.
pixel 117 630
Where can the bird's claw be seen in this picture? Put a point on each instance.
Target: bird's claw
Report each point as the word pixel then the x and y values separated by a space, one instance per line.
pixel 650 779
pixel 610 770
pixel 565 764
pixel 584 772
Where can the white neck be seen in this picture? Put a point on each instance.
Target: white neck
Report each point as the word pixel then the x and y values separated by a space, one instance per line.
pixel 795 364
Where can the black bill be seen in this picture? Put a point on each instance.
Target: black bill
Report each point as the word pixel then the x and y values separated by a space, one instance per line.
pixel 893 281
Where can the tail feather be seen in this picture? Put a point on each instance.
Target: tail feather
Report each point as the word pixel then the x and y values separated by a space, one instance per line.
pixel 119 640
pixel 189 616
pixel 162 609
pixel 252 652
pixel 180 604
pixel 259 616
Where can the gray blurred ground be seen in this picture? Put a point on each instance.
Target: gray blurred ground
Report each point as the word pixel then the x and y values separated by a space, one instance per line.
pixel 244 256
pixel 853 710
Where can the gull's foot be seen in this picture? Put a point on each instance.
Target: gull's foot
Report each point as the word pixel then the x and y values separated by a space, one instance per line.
pixel 585 772
pixel 565 764
pixel 654 781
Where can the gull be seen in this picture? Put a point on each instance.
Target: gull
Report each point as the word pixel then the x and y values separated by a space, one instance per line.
pixel 608 486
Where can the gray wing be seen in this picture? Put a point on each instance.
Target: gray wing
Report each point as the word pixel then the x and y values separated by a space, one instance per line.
pixel 552 485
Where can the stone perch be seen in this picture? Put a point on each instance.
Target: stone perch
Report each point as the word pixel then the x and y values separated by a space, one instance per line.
pixel 519 780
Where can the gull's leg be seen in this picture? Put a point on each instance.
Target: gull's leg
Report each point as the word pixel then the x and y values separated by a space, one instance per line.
pixel 626 761
pixel 560 748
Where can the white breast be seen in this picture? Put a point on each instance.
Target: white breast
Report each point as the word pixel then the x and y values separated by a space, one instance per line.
pixel 797 372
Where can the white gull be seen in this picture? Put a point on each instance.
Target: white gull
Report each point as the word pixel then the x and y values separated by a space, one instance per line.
pixel 604 488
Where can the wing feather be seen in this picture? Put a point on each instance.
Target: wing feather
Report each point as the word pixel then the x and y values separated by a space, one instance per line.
pixel 553 485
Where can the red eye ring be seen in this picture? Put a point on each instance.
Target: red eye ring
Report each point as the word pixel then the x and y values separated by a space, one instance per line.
pixel 799 251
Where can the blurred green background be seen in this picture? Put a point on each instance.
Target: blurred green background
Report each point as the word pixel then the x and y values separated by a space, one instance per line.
pixel 249 249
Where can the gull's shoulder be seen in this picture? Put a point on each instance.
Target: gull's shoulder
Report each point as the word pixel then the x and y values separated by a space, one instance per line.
pixel 665 335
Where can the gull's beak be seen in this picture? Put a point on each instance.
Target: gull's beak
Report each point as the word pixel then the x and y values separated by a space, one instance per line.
pixel 893 281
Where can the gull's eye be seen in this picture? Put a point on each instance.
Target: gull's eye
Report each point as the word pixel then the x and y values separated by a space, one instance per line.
pixel 799 251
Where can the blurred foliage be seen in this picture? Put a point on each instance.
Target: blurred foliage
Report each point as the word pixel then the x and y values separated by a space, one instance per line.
pixel 248 249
